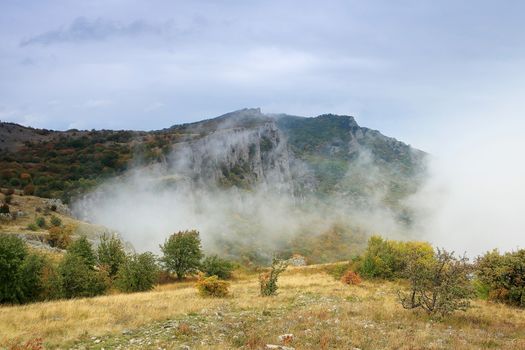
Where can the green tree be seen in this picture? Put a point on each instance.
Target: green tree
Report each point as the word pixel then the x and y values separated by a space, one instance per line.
pixel 111 254
pixel 31 285
pixel 77 271
pixel 137 273
pixel 215 266
pixel 13 251
pixel 80 279
pixel 182 253
pixel 83 248
pixel 20 271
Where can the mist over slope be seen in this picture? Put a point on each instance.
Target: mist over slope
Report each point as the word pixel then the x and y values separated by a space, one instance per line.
pixel 254 184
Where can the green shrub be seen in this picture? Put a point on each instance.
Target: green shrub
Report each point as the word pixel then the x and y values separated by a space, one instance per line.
pixel 41 222
pixel 8 198
pixel 439 286
pixel 215 266
pixel 55 221
pixel 78 274
pixel 503 276
pixel 137 273
pixel 268 280
pixel 110 253
pixel 388 258
pixel 32 227
pixel 182 253
pixel 80 279
pixel 213 287
pixel 82 248
pixel 20 271
pixel 13 251
pixel 4 208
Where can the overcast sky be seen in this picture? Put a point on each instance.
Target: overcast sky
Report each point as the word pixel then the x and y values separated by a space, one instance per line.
pixel 406 68
pixel 445 76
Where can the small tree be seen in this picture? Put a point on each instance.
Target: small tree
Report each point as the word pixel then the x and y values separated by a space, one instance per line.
pixel 439 286
pixel 83 249
pixel 268 280
pixel 80 279
pixel 111 254
pixel 20 271
pixel 215 266
pixel 13 251
pixel 182 253
pixel 137 273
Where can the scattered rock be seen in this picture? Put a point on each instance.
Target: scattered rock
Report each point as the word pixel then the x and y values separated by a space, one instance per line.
pixel 286 338
pixel 278 347
pixel 126 332
pixel 297 260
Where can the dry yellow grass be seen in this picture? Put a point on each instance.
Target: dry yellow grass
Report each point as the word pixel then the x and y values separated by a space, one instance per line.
pixel 321 312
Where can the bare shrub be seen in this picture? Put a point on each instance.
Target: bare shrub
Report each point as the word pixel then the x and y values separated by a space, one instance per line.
pixel 439 286
pixel 268 280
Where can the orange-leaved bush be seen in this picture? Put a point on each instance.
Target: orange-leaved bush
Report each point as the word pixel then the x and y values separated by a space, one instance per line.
pixel 351 278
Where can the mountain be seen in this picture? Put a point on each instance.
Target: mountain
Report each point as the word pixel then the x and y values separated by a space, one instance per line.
pixel 328 154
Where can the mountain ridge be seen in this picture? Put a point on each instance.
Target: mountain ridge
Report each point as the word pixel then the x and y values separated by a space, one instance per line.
pixel 322 155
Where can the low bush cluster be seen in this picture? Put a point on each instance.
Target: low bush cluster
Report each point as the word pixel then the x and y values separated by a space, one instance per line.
pixel 213 287
pixel 388 258
pixel 501 277
pixel 85 271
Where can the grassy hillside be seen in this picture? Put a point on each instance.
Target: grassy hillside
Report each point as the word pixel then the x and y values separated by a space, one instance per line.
pixel 321 312
pixel 27 209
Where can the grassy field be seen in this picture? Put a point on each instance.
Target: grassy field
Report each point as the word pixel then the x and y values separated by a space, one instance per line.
pixel 321 312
